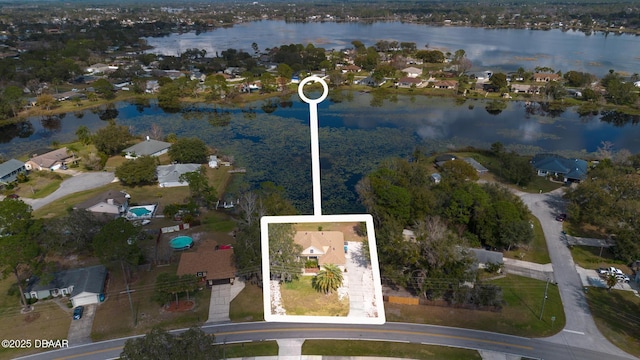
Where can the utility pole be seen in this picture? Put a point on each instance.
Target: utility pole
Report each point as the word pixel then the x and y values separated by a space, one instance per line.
pixel 545 298
pixel 133 315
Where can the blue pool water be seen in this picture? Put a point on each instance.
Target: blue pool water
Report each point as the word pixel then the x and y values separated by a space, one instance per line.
pixel 181 242
pixel 139 211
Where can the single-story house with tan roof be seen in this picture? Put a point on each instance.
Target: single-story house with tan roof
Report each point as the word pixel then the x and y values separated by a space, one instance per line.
pixel 215 267
pixel 545 77
pixel 325 246
pixel 52 160
pixel 445 84
pixel 407 82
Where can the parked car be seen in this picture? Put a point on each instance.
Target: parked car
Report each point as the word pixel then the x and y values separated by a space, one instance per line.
pixel 561 217
pixel 622 278
pixel 13 196
pixel 77 312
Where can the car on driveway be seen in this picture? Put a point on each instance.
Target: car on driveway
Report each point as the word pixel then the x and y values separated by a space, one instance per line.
pixel 13 196
pixel 77 312
pixel 562 217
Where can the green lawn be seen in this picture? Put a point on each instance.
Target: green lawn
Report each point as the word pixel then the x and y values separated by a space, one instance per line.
pixel 300 298
pixel 615 314
pixel 520 316
pixel 249 349
pixel 248 305
pixel 537 251
pixel 590 257
pixel 385 349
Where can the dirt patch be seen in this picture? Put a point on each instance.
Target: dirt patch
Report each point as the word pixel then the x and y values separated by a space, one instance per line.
pixel 180 306
pixel 31 317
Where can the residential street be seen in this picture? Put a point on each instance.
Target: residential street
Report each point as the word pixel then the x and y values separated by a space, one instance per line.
pixel 79 182
pixel 580 329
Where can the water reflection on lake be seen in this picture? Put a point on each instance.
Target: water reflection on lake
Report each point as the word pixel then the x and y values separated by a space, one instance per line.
pixel 272 141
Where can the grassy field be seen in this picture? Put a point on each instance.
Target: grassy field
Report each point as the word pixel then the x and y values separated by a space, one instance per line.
pixel 590 257
pixel 115 319
pixel 384 349
pixel 615 314
pixel 300 298
pixel 48 320
pixel 250 349
pixel 247 306
pixel 520 316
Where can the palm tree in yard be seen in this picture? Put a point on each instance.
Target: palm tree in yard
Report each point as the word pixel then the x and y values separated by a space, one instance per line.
pixel 328 279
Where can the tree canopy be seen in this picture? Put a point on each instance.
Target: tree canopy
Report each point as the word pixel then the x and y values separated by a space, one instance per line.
pixel 284 253
pixel 140 171
pixel 112 138
pixel 189 150
pixel 446 218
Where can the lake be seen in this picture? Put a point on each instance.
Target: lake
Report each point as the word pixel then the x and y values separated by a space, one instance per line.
pixel 496 49
pixel 356 134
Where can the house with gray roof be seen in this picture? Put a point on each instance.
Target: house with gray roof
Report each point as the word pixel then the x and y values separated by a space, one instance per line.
pixel 148 147
pixel 483 257
pixel 84 286
pixel 111 203
pixel 571 170
pixel 9 171
pixel 169 175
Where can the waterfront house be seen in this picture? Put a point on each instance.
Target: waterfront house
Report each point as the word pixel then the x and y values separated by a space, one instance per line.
pixel 9 171
pixel 148 147
pixel 407 82
pixel 545 77
pixel 51 160
pixel 169 175
pixel 570 170
pixel 445 84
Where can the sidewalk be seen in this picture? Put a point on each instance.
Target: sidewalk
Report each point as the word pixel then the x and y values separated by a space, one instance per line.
pixel 529 269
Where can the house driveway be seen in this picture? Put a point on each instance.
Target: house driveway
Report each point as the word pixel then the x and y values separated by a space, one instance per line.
pixel 221 296
pixel 358 281
pixel 79 182
pixel 80 330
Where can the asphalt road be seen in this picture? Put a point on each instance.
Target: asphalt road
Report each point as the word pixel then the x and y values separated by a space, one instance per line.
pixel 79 182
pixel 580 329
pixel 400 332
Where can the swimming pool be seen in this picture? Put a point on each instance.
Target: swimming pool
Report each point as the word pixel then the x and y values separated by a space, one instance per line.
pixel 139 211
pixel 181 242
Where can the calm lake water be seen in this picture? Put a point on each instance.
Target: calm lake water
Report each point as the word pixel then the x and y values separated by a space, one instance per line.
pixel 354 136
pixel 497 49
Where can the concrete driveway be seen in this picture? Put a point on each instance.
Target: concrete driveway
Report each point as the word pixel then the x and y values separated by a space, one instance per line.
pixel 80 330
pixel 79 182
pixel 580 329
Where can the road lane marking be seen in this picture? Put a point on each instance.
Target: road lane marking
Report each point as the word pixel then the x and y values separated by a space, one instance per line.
pixel 573 332
pixel 89 353
pixel 377 331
